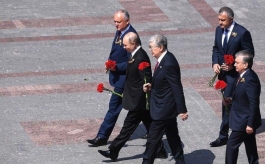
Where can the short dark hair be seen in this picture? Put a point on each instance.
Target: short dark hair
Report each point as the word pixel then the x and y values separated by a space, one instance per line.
pixel 229 11
pixel 247 57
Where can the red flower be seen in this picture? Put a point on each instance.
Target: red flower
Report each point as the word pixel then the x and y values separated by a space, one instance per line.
pixel 110 64
pixel 100 87
pixel 220 85
pixel 229 59
pixel 143 65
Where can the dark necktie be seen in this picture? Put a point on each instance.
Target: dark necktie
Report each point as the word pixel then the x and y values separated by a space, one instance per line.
pixel 118 36
pixel 225 39
pixel 239 79
pixel 157 63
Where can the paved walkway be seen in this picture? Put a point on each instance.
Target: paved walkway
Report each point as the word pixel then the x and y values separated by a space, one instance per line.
pixel 47 48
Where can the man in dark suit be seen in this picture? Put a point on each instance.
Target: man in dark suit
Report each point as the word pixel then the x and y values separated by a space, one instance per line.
pixel 116 77
pixel 166 102
pixel 245 115
pixel 230 38
pixel 134 99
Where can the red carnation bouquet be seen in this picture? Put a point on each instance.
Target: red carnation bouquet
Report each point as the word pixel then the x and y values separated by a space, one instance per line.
pixel 229 60
pixel 221 85
pixel 101 88
pixel 110 64
pixel 142 67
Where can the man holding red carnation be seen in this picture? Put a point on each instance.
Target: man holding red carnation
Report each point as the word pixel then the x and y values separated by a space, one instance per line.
pixel 134 98
pixel 117 73
pixel 244 116
pixel 230 38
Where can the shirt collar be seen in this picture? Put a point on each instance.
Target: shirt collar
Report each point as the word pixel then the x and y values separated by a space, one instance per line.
pixel 241 75
pixel 161 56
pixel 230 28
pixel 122 32
pixel 135 50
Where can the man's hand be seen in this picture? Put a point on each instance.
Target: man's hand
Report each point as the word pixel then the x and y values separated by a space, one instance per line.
pixel 184 116
pixel 147 87
pixel 113 68
pixel 226 101
pixel 110 69
pixel 226 67
pixel 249 130
pixel 216 68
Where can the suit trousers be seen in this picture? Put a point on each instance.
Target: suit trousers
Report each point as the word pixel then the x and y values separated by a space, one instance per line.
pixel 115 107
pixel 131 122
pixel 224 128
pixel 156 131
pixel 235 140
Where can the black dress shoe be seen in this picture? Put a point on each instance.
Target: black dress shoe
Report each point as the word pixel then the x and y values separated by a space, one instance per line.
pixel 108 154
pixel 162 154
pixel 97 141
pixel 218 142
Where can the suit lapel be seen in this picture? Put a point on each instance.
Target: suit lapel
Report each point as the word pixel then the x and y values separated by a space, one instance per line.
pixel 239 84
pixel 130 65
pixel 231 38
pixel 220 35
pixel 159 68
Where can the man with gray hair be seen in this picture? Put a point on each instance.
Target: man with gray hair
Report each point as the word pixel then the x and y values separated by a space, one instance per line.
pixel 167 101
pixel 245 115
pixel 230 38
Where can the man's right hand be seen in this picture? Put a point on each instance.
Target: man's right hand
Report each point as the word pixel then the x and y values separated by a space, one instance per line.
pixel 216 68
pixel 147 87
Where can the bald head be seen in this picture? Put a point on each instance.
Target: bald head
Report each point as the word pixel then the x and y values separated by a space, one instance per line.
pixel 131 41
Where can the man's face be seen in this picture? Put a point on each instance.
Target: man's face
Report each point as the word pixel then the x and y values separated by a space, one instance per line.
pixel 120 22
pixel 130 47
pixel 224 20
pixel 240 65
pixel 155 50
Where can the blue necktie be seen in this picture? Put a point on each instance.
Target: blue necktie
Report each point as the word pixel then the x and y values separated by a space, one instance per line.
pixel 225 39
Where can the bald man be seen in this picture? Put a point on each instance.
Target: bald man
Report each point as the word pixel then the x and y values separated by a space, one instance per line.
pixel 134 99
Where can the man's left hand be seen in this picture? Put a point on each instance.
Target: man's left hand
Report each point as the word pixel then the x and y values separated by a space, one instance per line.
pixel 184 116
pixel 249 130
pixel 226 101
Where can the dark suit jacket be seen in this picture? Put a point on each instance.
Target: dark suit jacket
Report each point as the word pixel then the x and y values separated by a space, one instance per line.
pixel 245 109
pixel 121 56
pixel 240 41
pixel 133 95
pixel 167 97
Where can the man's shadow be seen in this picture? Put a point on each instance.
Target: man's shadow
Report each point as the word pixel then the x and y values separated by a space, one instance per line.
pixel 202 156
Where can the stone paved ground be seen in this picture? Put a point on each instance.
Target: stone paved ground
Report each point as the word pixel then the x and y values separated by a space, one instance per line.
pixel 47 48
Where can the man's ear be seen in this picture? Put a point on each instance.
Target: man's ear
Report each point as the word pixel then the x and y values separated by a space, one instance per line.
pixel 245 65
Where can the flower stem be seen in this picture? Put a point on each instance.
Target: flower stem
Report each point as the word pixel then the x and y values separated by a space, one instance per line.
pixel 211 82
pixel 113 92
pixel 146 96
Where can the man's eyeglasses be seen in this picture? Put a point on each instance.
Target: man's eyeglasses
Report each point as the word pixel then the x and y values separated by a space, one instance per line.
pixel 152 47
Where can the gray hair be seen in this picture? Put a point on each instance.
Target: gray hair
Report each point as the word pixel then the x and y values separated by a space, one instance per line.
pixel 247 57
pixel 228 11
pixel 159 40
pixel 125 13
